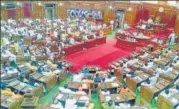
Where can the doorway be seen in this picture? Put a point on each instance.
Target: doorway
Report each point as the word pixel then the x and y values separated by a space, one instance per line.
pixel 119 22
pixel 50 11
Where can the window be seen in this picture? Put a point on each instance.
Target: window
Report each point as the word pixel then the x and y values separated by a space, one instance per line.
pixel 172 3
pixel 10 6
pixel 152 2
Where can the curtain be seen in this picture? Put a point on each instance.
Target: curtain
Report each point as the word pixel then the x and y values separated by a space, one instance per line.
pixel 171 21
pixel 145 14
pixel 138 15
pixel 142 14
pixel 11 13
pixel 27 9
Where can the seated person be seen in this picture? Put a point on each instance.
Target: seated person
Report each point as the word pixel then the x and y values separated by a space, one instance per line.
pixel 5 65
pixel 126 26
pixel 85 37
pixel 169 69
pixel 78 77
pixel 97 78
pixel 85 71
pixel 146 66
pixel 13 62
pixel 150 20
pixel 159 70
pixel 6 53
pixel 33 61
pixel 26 51
pixel 158 20
pixel 80 91
pixel 124 90
pixel 140 35
pixel 150 64
pixel 153 80
pixel 40 69
pixel 71 41
pixel 112 71
pixel 105 92
pixel 166 93
pixel 88 81
pixel 148 26
pixel 60 65
pixel 110 78
pixel 65 89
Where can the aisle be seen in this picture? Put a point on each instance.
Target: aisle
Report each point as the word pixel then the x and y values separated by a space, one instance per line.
pixel 101 55
pixel 96 101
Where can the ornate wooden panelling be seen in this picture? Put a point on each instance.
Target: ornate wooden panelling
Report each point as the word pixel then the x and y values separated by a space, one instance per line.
pixel 4 14
pixel 19 12
pixel 177 25
pixel 108 14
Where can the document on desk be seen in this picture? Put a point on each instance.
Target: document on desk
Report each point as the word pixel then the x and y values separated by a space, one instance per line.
pixel 115 85
pixel 59 96
pixel 108 98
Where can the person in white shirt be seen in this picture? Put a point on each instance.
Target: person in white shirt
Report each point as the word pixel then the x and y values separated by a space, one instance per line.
pixel 169 69
pixel 6 53
pixel 150 64
pixel 166 93
pixel 71 41
pixel 126 26
pixel 78 77
pixel 55 33
pixel 39 36
pixel 105 92
pixel 159 70
pixel 65 90
pixel 81 28
pixel 150 20
pixel 110 79
pixel 172 38
pixel 69 30
pixel 85 37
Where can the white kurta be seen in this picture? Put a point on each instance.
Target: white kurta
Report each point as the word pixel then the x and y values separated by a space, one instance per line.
pixel 172 38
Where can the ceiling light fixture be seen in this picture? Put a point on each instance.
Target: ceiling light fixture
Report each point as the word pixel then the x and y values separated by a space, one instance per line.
pixel 2 4
pixel 18 3
pixel 129 9
pixel 40 4
pixel 61 4
pixel 110 7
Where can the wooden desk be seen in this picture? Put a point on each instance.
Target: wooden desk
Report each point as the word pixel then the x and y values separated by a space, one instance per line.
pixel 76 85
pixel 133 83
pixel 48 81
pixel 167 103
pixel 118 98
pixel 176 66
pixel 162 62
pixel 29 103
pixel 150 92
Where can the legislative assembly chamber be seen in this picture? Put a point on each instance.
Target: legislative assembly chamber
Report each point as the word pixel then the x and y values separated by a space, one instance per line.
pixel 89 54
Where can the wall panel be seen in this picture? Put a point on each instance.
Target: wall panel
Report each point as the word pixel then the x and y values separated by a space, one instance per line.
pixel 19 12
pixel 177 25
pixel 4 14
pixel 108 14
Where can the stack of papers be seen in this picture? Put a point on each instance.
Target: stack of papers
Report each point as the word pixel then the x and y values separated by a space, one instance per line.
pixel 59 96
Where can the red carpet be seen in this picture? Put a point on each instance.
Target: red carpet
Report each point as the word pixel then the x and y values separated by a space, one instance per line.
pixel 101 55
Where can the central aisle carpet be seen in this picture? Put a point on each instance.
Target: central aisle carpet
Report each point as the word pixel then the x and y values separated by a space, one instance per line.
pixel 101 55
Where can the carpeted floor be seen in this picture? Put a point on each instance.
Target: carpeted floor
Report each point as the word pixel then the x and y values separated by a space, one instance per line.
pixel 101 55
